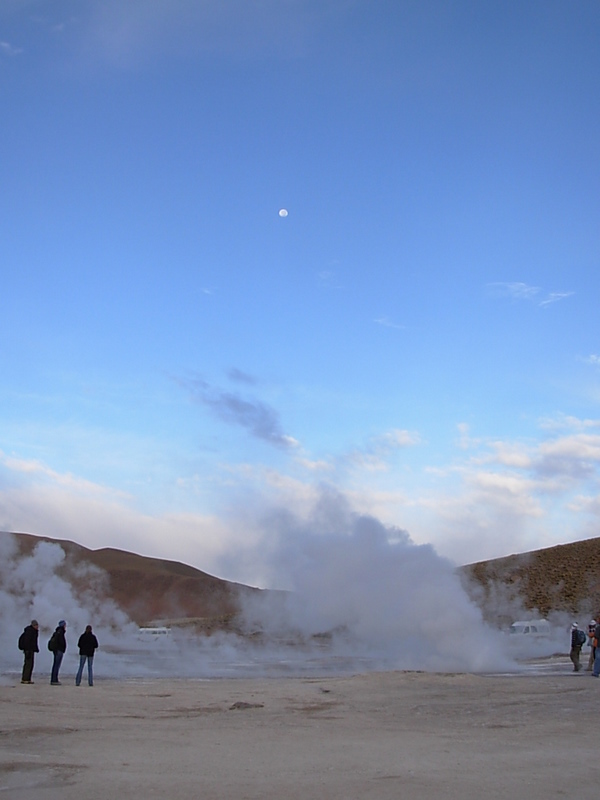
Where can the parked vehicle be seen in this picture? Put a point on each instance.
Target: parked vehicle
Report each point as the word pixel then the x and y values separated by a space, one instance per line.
pixel 530 627
pixel 153 634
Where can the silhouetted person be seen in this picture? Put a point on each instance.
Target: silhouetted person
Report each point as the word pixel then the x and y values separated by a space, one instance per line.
pixel 58 646
pixel 87 644
pixel 28 643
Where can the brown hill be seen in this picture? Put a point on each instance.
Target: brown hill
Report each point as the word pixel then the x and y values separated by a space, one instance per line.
pixel 561 578
pixel 149 588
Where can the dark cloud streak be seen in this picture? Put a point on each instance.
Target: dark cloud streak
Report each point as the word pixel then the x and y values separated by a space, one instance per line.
pixel 260 419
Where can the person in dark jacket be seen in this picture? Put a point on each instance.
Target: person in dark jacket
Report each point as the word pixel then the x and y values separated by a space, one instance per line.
pixel 59 648
pixel 596 643
pixel 577 640
pixel 87 644
pixel 28 643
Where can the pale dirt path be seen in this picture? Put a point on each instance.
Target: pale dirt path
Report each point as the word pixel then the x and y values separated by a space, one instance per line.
pixel 386 735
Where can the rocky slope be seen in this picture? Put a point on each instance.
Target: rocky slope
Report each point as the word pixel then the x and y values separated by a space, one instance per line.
pixel 563 578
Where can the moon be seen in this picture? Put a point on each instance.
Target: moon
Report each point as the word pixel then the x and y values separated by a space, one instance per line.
pixel 283 212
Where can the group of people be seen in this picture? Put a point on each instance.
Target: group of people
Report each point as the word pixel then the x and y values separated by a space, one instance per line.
pixel 28 643
pixel 578 639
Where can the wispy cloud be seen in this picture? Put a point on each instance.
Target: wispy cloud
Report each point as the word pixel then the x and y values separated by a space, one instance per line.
pixel 126 33
pixel 567 422
pixel 8 49
pixel 517 290
pixel 39 470
pixel 327 279
pixel 238 376
pixel 569 457
pixel 593 359
pixel 259 418
pixel 376 454
pixel 388 323
pixel 554 297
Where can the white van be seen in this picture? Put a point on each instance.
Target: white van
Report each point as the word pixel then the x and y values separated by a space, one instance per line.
pixel 530 627
pixel 153 634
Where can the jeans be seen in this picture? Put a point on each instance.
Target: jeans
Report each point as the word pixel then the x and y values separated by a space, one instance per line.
pixel 596 672
pixel 58 657
pixel 90 661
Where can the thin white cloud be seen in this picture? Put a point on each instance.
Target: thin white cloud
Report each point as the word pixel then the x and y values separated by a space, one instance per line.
pixel 8 49
pixel 567 422
pixel 388 323
pixel 126 34
pixel 465 440
pixel 320 466
pixel 593 359
pixel 37 470
pixel 517 290
pixel 573 457
pixel 554 297
pixel 327 279
pixel 375 456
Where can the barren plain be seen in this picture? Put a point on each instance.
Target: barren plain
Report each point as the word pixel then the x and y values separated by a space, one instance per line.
pixel 380 735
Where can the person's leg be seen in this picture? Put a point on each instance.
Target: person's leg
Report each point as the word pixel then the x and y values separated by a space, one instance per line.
pixel 27 666
pixel 596 672
pixel 572 657
pixel 58 656
pixel 80 670
pixel 90 660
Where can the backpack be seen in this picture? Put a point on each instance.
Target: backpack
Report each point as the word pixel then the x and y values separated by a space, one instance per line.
pixel 581 637
pixel 52 643
pixel 22 641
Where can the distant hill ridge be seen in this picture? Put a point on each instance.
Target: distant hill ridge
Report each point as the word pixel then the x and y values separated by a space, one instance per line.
pixel 561 578
pixel 149 588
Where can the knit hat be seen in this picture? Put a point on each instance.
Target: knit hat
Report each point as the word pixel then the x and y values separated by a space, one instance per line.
pixel 62 624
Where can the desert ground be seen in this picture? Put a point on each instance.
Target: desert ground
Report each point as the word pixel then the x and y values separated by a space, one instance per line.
pixel 379 735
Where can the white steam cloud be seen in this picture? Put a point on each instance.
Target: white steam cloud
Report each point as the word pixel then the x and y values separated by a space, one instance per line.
pixel 378 595
pixel 354 595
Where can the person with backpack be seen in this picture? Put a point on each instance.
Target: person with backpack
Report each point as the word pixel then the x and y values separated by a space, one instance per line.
pixel 87 644
pixel 578 639
pixel 28 643
pixel 58 646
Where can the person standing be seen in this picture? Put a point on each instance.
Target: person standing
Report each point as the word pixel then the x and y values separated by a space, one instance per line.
pixel 28 643
pixel 58 646
pixel 591 632
pixel 87 644
pixel 596 672
pixel 577 640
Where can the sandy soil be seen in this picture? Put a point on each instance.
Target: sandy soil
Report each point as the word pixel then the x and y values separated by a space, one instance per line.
pixel 384 735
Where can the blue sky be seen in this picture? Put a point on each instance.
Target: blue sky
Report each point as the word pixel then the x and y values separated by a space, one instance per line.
pixel 420 332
